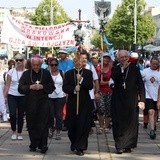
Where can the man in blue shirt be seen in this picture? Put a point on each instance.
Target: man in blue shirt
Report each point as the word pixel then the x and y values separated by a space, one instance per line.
pixel 65 64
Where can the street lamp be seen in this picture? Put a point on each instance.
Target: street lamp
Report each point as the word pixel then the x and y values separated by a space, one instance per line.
pixel 51 13
pixel 135 18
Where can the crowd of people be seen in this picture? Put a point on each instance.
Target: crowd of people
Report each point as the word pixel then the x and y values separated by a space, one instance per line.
pixel 85 87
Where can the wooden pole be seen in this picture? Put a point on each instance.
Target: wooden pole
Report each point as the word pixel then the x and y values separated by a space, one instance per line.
pixel 78 70
pixel 79 49
pixel 77 107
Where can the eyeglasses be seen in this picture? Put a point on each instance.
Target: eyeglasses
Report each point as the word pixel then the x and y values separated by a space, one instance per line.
pixel 53 65
pixel 20 60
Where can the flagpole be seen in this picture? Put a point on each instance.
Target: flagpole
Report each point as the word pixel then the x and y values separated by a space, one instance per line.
pixel 102 49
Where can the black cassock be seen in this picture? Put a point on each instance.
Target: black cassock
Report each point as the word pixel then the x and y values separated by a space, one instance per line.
pixel 78 125
pixel 124 109
pixel 37 110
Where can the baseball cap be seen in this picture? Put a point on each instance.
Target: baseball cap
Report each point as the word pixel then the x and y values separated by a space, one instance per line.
pixel 134 55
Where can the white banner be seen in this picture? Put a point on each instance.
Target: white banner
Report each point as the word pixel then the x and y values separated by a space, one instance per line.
pixel 16 32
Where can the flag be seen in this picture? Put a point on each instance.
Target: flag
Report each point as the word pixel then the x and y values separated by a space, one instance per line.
pixel 105 40
pixel 72 49
pixel 111 53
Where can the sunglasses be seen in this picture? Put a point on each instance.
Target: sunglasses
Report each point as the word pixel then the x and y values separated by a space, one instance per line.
pixel 20 60
pixel 53 65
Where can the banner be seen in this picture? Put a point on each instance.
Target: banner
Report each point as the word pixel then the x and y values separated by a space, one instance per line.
pixel 16 32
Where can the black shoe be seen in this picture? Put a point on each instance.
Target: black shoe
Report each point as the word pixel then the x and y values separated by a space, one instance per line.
pixel 119 151
pixel 72 149
pixel 145 125
pixel 32 148
pixel 44 149
pixel 80 153
pixel 152 134
pixel 39 147
pixel 127 150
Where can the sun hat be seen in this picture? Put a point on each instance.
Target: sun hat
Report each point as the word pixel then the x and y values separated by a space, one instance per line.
pixel 105 54
pixel 63 50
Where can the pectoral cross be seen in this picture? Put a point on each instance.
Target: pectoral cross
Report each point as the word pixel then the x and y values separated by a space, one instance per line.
pixel 124 85
pixel 37 82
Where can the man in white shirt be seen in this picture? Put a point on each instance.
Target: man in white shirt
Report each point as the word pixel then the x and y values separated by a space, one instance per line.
pixel 94 93
pixel 151 78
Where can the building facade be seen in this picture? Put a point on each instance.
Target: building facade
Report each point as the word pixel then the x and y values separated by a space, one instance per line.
pixel 155 12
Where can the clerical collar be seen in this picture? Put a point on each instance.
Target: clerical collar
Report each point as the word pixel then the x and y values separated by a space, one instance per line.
pixel 38 81
pixel 35 71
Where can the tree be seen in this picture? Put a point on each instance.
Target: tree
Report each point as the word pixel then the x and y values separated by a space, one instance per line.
pixel 120 29
pixel 96 39
pixel 43 12
pixel 42 16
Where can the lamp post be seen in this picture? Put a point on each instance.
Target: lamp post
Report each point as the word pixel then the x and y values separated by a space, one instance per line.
pixel 135 19
pixel 51 14
pixel 135 22
pixel 51 18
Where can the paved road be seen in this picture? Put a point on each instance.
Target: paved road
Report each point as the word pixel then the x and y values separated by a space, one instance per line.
pixel 101 147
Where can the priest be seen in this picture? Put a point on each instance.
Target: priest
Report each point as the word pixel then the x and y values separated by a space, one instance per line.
pixel 36 83
pixel 77 84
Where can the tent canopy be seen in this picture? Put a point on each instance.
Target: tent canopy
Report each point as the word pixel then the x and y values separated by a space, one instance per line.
pixel 149 47
pixel 155 49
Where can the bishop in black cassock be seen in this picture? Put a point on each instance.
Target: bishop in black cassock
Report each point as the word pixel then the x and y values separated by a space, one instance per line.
pixel 36 84
pixel 128 86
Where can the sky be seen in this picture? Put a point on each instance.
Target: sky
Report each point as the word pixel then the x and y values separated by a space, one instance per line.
pixel 72 6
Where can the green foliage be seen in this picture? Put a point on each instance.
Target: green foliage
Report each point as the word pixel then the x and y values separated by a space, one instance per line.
pixel 42 16
pixel 43 13
pixel 96 39
pixel 120 29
